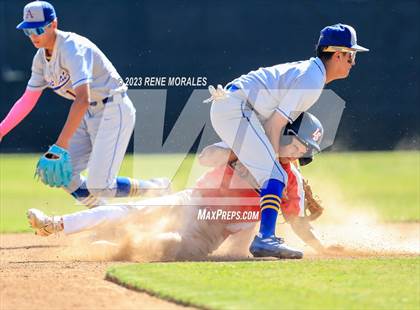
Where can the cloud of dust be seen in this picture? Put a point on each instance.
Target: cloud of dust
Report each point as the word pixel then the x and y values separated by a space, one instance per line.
pixel 151 234
pixel 236 246
pixel 359 230
pixel 155 234
pixel 349 231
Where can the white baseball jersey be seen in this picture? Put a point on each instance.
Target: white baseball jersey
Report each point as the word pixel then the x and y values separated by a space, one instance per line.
pixel 289 88
pixel 100 142
pixel 75 61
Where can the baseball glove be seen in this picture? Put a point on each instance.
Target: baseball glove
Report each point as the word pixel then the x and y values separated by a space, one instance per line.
pixel 313 208
pixel 54 167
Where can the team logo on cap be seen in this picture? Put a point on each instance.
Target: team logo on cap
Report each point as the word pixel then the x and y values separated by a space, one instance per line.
pixel 28 15
pixel 316 135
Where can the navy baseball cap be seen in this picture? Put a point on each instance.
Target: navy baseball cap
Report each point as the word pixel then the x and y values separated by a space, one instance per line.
pixel 340 38
pixel 37 14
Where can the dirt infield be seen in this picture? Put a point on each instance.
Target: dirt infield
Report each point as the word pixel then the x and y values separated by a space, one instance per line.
pixel 58 272
pixel 37 274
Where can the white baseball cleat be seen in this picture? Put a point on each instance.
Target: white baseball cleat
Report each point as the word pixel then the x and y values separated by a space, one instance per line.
pixel 43 224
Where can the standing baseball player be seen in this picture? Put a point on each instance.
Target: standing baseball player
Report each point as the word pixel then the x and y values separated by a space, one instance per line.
pixel 250 112
pixel 101 118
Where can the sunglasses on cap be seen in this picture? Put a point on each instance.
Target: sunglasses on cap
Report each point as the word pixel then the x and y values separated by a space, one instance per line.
pixel 342 49
pixel 36 31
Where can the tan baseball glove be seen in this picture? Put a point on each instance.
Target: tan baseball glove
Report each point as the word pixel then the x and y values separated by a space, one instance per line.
pixel 313 208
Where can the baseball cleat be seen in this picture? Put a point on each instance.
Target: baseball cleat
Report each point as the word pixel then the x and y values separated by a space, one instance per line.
pixel 273 247
pixel 43 224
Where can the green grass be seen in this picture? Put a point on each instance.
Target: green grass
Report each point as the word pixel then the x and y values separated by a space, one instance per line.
pixel 19 190
pixel 323 284
pixel 387 182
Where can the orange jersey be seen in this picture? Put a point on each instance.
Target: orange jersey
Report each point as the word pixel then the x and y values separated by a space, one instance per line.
pixel 225 182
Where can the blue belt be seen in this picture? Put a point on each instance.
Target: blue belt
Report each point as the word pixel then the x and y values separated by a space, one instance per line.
pixel 106 100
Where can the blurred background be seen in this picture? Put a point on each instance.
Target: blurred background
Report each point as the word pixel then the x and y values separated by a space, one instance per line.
pixel 221 40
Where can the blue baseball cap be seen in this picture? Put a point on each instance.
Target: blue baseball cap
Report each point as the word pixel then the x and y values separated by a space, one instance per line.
pixel 340 38
pixel 37 14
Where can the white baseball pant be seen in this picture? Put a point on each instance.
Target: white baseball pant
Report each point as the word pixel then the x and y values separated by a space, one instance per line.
pixel 99 145
pixel 239 127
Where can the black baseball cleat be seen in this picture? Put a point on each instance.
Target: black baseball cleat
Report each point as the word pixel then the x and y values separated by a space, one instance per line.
pixel 273 247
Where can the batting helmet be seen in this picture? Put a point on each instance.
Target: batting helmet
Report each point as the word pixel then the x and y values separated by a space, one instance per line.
pixel 308 130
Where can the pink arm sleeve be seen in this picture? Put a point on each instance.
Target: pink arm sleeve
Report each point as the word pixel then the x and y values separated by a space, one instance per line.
pixel 19 111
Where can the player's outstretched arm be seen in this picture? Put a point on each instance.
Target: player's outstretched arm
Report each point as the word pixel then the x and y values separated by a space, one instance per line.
pixel 214 156
pixel 304 231
pixel 19 111
pixel 76 113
